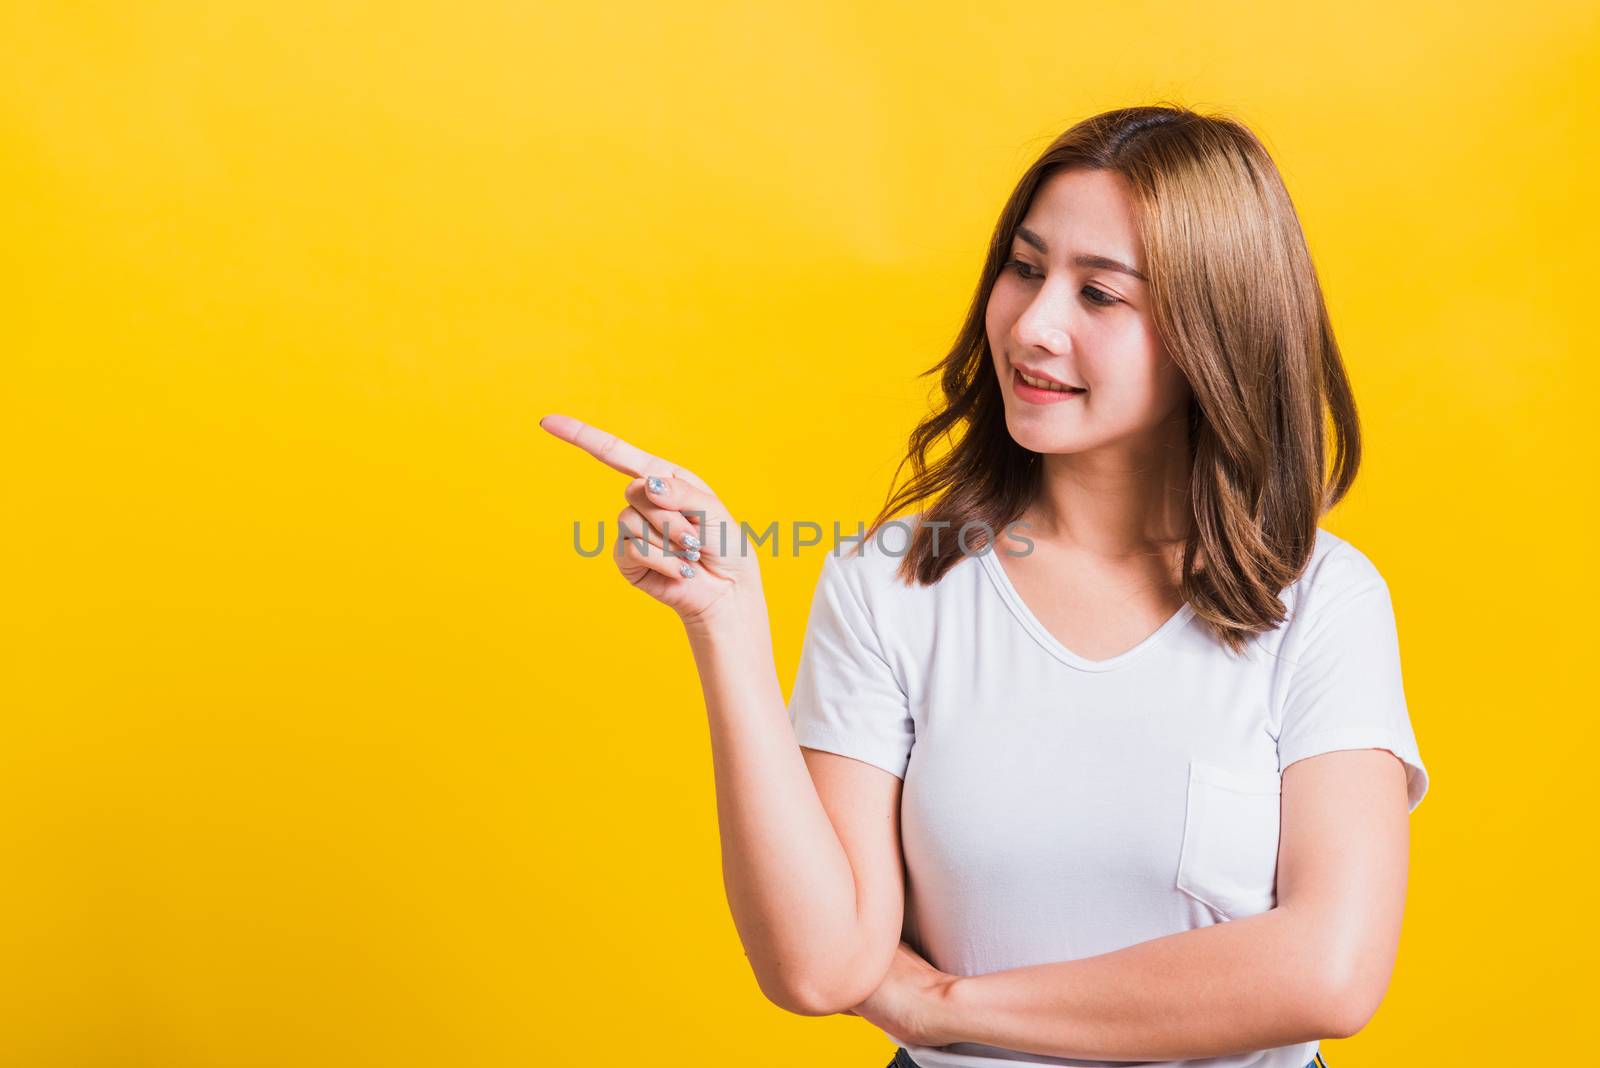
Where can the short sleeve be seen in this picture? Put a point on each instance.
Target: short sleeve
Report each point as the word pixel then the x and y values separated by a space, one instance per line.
pixel 1344 688
pixel 847 698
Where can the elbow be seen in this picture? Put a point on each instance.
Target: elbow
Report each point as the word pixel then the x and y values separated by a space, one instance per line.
pixel 825 984
pixel 1351 969
pixel 806 995
pixel 1348 1003
pixel 812 993
pixel 799 999
pixel 820 999
pixel 810 1003
pixel 1348 1011
pixel 788 994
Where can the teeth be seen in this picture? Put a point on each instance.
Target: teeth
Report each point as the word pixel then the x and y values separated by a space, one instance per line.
pixel 1041 383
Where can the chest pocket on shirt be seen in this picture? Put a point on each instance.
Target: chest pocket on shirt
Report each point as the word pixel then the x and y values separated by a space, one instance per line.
pixel 1229 857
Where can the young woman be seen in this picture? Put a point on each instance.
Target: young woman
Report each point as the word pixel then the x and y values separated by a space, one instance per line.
pixel 1104 755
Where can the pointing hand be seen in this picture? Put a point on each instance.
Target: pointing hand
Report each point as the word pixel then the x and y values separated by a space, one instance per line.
pixel 706 558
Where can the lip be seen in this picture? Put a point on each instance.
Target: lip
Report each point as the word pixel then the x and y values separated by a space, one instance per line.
pixel 1035 395
pixel 1031 373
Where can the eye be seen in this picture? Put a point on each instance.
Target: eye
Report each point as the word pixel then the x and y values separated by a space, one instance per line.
pixel 1110 300
pixel 1098 297
pixel 1022 268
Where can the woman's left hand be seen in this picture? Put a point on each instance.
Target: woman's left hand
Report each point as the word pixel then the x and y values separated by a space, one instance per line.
pixel 908 1005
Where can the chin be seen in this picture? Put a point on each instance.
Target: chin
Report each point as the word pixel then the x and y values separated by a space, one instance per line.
pixel 1041 440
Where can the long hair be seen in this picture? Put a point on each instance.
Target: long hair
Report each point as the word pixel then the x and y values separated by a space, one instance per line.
pixel 1237 305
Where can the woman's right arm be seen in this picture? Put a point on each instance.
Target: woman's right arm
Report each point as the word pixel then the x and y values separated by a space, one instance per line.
pixel 810 843
pixel 811 859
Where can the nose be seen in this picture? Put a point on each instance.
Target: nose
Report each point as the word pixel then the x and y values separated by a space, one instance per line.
pixel 1032 333
pixel 1052 338
pixel 1043 325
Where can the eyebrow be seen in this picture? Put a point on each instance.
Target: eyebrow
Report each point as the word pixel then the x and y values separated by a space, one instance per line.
pixel 1083 259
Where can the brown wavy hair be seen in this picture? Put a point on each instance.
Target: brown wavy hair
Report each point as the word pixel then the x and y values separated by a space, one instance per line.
pixel 1238 307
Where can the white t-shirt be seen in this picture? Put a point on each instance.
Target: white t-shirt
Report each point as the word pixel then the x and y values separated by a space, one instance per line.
pixel 1054 807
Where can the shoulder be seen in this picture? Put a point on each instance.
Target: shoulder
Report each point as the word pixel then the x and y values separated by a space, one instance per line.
pixel 870 571
pixel 870 566
pixel 1337 574
pixel 1337 561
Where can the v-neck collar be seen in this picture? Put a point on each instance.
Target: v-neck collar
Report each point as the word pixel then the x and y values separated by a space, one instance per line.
pixel 1041 634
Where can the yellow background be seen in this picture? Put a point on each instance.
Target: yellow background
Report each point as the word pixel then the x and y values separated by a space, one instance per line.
pixel 321 746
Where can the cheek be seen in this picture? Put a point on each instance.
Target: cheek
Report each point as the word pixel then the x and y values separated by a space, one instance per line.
pixel 1127 367
pixel 991 319
pixel 995 328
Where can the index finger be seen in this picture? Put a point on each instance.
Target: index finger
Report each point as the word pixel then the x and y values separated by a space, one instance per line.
pixel 613 451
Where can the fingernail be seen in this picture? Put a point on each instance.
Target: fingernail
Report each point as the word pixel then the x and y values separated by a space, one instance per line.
pixel 691 542
pixel 655 485
pixel 686 571
pixel 692 554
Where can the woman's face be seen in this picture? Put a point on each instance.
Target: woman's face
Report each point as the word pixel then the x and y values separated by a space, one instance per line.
pixel 1064 309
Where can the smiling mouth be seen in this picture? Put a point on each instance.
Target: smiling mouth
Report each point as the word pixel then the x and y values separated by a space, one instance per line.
pixel 1040 389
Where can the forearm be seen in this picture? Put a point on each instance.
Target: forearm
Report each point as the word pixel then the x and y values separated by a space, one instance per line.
pixel 1248 984
pixel 786 875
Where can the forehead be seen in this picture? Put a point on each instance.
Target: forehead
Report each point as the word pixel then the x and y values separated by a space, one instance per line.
pixel 1086 211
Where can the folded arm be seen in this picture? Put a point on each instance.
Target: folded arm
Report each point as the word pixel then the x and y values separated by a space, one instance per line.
pixel 1316 966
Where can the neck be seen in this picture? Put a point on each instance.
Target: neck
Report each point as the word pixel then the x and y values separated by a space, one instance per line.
pixel 1118 501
